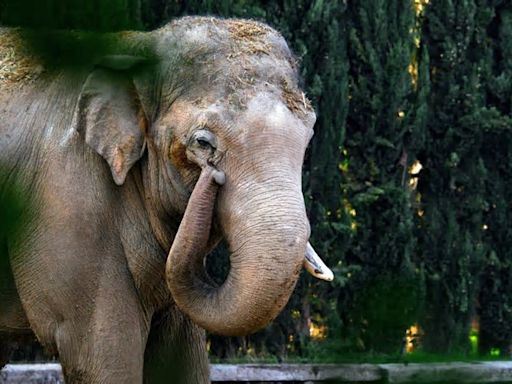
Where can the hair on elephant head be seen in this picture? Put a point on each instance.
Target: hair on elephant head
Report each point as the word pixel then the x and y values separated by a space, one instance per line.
pixel 219 126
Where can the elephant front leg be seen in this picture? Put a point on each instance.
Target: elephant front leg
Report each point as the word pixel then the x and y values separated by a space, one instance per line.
pixel 107 348
pixel 176 350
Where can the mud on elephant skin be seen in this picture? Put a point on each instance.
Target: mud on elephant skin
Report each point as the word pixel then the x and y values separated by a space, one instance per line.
pixel 139 167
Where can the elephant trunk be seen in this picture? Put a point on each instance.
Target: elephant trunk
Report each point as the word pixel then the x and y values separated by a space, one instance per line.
pixel 267 236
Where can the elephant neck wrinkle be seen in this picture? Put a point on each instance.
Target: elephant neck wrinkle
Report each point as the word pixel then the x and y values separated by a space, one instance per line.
pixel 164 225
pixel 164 222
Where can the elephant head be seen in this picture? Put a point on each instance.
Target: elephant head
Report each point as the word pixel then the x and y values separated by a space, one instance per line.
pixel 219 127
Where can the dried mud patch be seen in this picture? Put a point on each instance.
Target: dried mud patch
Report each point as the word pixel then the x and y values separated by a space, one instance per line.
pixel 17 65
pixel 295 99
pixel 250 37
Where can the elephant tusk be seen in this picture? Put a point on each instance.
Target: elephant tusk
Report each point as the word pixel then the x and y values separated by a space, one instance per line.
pixel 314 265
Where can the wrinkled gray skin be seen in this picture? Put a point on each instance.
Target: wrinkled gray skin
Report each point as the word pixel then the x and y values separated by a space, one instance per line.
pixel 112 160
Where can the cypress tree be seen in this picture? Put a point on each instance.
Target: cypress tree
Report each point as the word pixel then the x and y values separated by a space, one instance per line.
pixel 495 301
pixel 451 185
pixel 386 109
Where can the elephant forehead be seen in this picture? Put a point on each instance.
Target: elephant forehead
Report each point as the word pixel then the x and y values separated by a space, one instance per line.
pixel 272 113
pixel 199 113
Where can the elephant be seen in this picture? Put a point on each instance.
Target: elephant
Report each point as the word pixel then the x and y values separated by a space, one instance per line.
pixel 139 161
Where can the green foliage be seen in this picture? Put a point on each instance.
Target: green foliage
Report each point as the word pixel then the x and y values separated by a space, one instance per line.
pixel 383 310
pixel 452 187
pixel 383 107
pixel 98 15
pixel 495 120
pixel 42 23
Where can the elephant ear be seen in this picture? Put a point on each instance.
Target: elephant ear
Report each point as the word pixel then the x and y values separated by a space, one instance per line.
pixel 111 117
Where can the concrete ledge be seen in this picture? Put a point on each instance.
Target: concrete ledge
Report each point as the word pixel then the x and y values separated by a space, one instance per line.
pixel 31 374
pixel 481 372
pixel 363 373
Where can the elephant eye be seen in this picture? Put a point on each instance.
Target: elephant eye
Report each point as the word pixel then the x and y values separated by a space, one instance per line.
pixel 202 142
pixel 205 139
